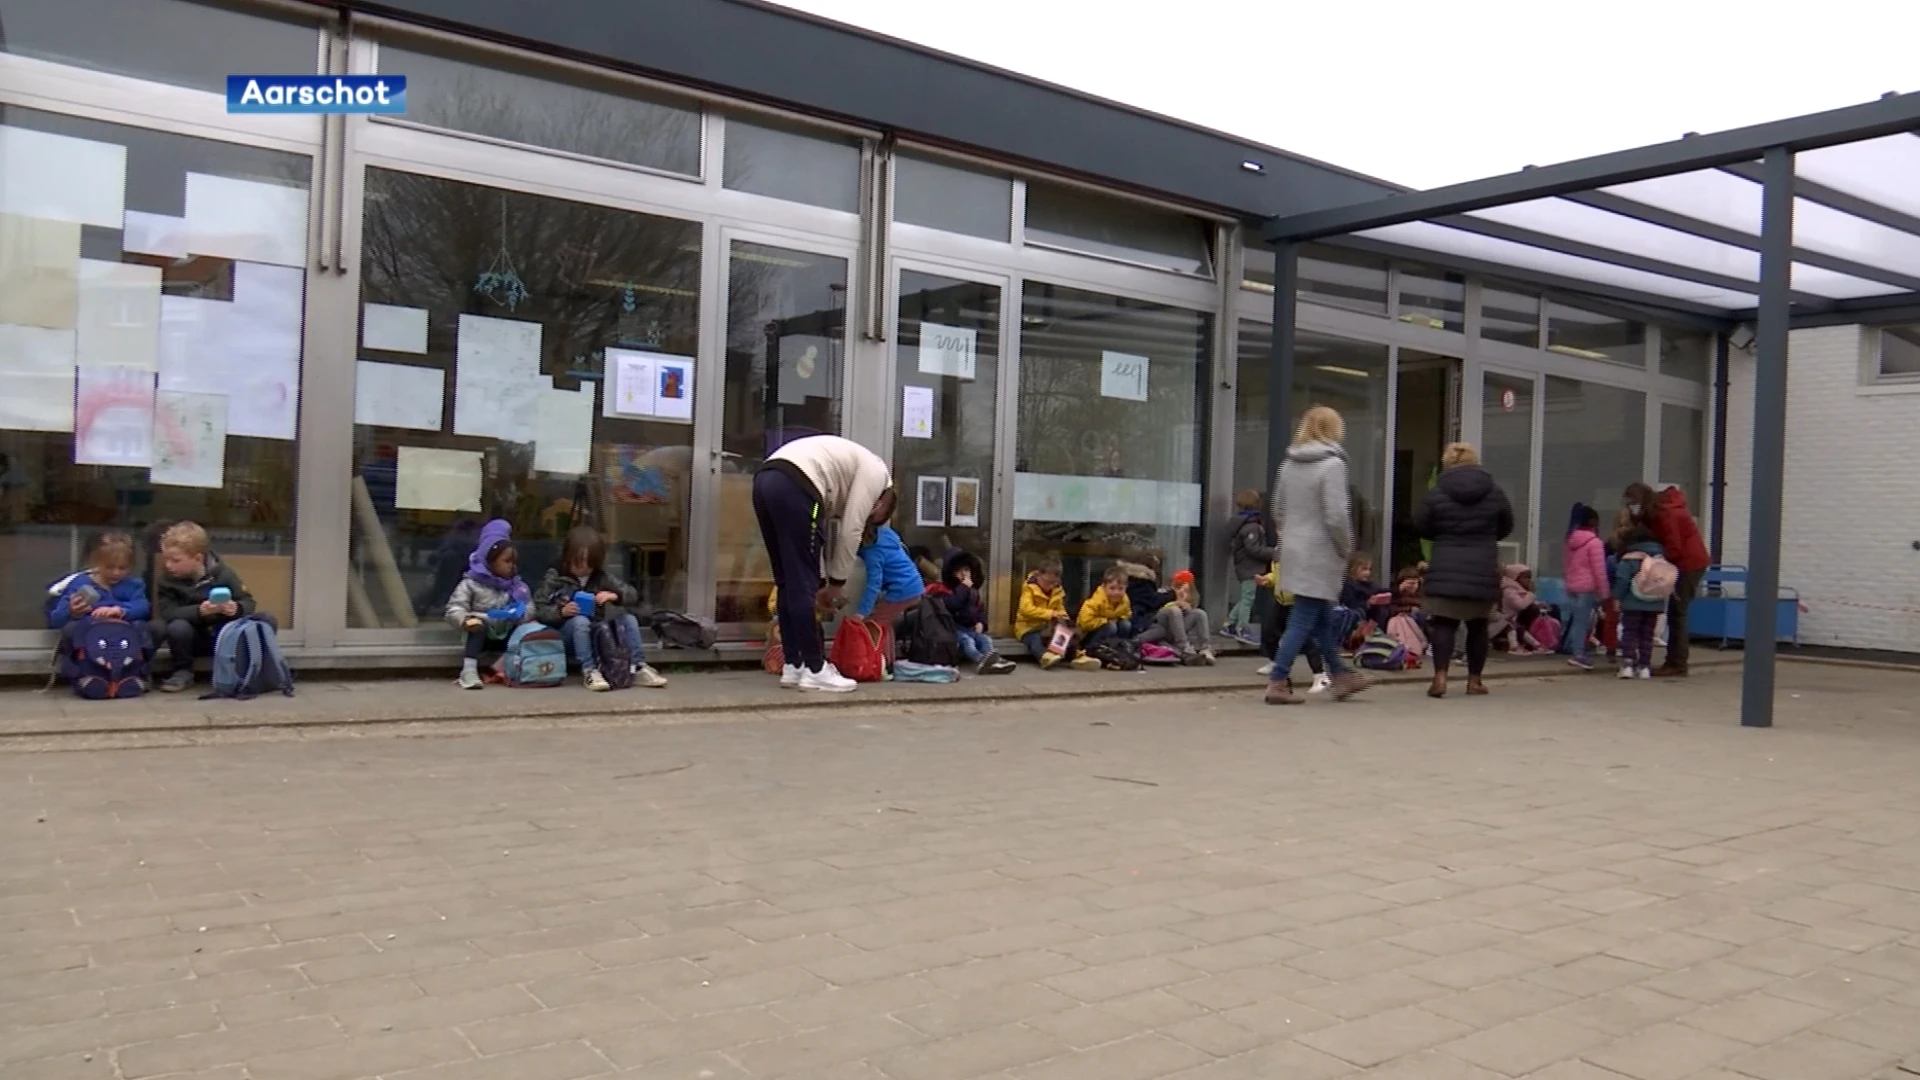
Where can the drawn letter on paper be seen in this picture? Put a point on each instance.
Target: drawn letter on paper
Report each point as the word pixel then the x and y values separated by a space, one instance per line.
pixel 1123 375
pixel 432 479
pixel 947 350
pixel 916 412
pixel 398 395
pixel 633 386
pixel 119 320
pixel 497 378
pixel 189 439
pixel 393 329
pixel 113 417
pixel 563 431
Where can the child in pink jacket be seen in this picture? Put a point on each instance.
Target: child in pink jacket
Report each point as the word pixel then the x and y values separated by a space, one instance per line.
pixel 1587 589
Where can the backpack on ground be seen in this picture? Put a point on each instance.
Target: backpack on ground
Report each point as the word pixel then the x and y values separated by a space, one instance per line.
pixel 247 661
pixel 1405 629
pixel 536 657
pixel 110 660
pixel 908 671
pixel 1116 654
pixel 1656 578
pixel 612 656
pixel 1545 632
pixel 1155 653
pixel 678 630
pixel 861 649
pixel 1381 652
pixel 928 634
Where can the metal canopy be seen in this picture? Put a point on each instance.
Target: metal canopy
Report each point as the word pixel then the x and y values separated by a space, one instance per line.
pixel 1676 225
pixel 1809 221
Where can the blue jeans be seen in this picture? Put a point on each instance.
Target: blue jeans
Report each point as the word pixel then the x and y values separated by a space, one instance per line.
pixel 1119 628
pixel 1580 611
pixel 1311 618
pixel 975 645
pixel 579 633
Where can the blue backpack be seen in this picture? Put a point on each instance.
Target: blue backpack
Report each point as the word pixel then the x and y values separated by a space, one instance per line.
pixel 110 660
pixel 1382 653
pixel 247 661
pixel 536 656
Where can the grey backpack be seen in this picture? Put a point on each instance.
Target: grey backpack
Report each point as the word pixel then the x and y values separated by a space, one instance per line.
pixel 247 661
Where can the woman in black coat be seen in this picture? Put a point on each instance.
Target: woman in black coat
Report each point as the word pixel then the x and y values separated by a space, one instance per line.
pixel 1466 515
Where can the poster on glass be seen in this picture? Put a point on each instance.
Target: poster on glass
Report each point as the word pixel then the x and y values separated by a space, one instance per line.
pixel 930 502
pixel 965 509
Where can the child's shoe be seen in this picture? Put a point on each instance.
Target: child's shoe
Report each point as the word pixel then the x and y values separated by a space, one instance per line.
pixel 178 681
pixel 1644 673
pixel 1580 662
pixel 1083 662
pixel 1191 658
pixel 644 675
pixel 1264 669
pixel 1626 671
pixel 1207 657
pixel 1048 660
pixel 595 681
pixel 1320 684
pixel 470 679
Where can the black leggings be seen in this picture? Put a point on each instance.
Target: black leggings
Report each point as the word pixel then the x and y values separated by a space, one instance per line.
pixel 790 528
pixel 1441 631
pixel 1273 624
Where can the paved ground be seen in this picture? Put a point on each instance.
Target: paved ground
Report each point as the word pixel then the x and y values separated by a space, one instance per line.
pixel 1569 880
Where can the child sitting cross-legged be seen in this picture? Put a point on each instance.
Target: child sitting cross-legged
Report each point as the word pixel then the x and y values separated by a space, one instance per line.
pixel 490 600
pixel 1181 624
pixel 582 568
pixel 1106 614
pixel 198 595
pixel 106 589
pixel 959 589
pixel 1042 624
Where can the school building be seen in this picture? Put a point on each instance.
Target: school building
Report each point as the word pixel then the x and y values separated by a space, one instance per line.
pixel 611 256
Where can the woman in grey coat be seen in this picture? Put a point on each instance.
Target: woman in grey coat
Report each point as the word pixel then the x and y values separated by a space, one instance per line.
pixel 1311 512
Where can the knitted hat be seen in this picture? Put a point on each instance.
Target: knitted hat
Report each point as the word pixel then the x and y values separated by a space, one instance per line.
pixel 1183 577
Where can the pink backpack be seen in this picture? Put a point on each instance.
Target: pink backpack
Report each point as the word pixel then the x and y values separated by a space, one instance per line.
pixel 1403 629
pixel 1545 632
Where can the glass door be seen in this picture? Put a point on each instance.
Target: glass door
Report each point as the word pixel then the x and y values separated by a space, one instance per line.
pixel 1509 445
pixel 1426 418
pixel 785 378
pixel 947 353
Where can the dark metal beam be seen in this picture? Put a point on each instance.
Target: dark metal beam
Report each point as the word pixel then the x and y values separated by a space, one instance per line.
pixel 1286 282
pixel 1769 440
pixel 1896 308
pixel 1614 256
pixel 1722 381
pixel 1887 116
pixel 1833 198
pixel 1707 230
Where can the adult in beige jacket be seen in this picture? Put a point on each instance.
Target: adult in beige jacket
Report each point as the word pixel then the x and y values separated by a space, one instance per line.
pixel 817 497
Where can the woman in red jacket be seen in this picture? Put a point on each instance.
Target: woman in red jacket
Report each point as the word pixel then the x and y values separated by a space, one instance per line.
pixel 1665 512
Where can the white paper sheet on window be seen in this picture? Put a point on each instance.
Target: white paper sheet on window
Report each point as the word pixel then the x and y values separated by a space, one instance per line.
pixel 39 272
pixel 398 395
pixel 947 350
pixel 631 383
pixel 432 479
pixel 189 439
pixel 563 431
pixel 113 417
pixel 62 178
pixel 119 323
pixel 1106 499
pixel 246 220
pixel 673 388
pixel 154 234
pixel 916 412
pixel 1123 375
pixel 247 349
pixel 497 378
pixel 36 379
pixel 393 329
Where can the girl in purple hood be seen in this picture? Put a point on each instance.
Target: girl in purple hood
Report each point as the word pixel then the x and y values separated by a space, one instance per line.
pixel 490 600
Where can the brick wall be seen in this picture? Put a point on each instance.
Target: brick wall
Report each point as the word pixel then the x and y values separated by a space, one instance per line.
pixel 1852 505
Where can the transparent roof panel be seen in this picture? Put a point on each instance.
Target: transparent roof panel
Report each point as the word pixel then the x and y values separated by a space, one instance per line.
pixel 1574 221
pixel 1823 282
pixel 1880 171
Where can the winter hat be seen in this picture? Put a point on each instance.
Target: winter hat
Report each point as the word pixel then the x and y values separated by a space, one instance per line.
pixel 1183 577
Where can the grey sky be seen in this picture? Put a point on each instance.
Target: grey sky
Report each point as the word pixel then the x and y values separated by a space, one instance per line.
pixel 1429 93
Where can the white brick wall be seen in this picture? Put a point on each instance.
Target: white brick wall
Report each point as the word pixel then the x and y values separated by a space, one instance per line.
pixel 1852 498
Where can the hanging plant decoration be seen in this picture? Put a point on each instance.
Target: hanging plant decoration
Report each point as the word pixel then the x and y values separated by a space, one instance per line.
pixel 500 282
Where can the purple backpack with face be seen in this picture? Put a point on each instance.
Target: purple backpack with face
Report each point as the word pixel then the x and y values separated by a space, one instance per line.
pixel 110 660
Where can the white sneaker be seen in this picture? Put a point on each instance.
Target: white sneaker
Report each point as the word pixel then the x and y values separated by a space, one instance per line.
pixel 790 676
pixel 1320 684
pixel 1626 672
pixel 1265 669
pixel 1644 673
pixel 827 680
pixel 644 675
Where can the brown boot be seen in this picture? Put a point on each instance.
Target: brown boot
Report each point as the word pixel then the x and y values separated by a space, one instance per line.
pixel 1348 683
pixel 1281 693
pixel 1670 671
pixel 1438 688
pixel 1475 687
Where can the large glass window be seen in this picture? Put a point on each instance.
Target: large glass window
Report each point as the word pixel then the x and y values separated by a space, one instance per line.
pixel 820 170
pixel 1349 376
pixel 1687 356
pixel 1433 298
pixel 1109 433
pixel 1595 445
pixel 1591 335
pixel 499 98
pixel 520 357
pixel 1510 316
pixel 1683 453
pixel 941 196
pixel 152 313
pixel 1076 220
pixel 1899 352
pixel 1341 279
pixel 947 360
pixel 190 43
pixel 786 355
pixel 1506 451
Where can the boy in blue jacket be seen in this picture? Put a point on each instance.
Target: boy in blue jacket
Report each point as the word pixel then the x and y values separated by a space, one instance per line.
pixel 106 589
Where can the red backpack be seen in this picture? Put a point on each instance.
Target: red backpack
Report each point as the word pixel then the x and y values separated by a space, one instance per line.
pixel 861 650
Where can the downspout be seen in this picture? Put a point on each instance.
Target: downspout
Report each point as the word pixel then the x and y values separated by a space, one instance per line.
pixel 1722 375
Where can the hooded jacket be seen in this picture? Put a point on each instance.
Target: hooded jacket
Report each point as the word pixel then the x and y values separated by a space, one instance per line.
pixel 890 572
pixel 129 595
pixel 1039 608
pixel 1466 515
pixel 1586 564
pixel 1673 525
pixel 1515 597
pixel 848 479
pixel 1251 552
pixel 1098 609
pixel 1144 594
pixel 1312 514
pixel 1623 575
pixel 180 598
pixel 557 587
pixel 963 602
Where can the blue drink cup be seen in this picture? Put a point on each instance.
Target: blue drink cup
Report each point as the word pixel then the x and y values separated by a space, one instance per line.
pixel 585 602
